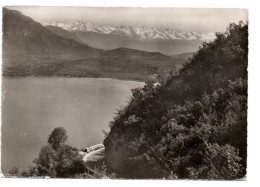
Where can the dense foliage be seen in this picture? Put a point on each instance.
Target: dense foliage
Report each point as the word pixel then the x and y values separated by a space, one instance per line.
pixel 194 125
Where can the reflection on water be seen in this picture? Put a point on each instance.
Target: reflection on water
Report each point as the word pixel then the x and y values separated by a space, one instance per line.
pixel 33 107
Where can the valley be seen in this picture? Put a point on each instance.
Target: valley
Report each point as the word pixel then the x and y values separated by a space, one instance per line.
pixel 30 49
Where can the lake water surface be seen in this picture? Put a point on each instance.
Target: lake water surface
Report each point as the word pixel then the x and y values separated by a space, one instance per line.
pixel 32 107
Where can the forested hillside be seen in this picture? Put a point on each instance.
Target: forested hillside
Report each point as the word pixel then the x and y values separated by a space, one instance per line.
pixel 192 125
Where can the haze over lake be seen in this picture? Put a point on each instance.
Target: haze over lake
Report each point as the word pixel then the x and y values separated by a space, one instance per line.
pixel 32 107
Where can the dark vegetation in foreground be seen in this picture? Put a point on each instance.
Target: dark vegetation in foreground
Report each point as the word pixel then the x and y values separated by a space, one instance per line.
pixel 59 160
pixel 191 125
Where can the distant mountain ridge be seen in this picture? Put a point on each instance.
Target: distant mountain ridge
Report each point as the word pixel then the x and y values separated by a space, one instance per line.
pixel 166 41
pixel 63 33
pixel 140 33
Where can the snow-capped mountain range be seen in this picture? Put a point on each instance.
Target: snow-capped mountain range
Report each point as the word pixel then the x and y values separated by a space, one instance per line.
pixel 140 33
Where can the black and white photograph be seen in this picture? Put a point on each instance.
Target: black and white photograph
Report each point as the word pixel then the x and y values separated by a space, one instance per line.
pixel 124 93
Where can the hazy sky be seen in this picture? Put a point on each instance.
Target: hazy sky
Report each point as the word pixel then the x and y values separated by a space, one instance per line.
pixel 185 19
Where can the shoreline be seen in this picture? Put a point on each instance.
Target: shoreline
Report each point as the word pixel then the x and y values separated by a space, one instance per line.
pixel 67 77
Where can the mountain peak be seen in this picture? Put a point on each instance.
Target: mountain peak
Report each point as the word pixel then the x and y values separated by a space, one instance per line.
pixel 132 32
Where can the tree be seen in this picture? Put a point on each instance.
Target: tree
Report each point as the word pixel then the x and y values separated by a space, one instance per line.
pixel 58 137
pixel 58 159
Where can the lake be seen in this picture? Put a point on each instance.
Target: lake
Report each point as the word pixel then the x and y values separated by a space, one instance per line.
pixel 32 107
